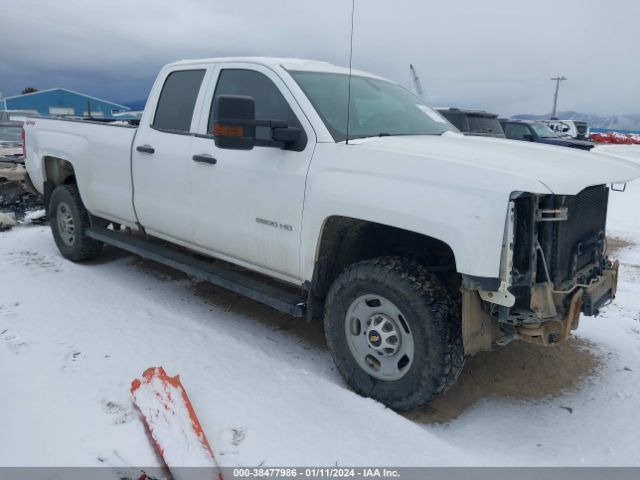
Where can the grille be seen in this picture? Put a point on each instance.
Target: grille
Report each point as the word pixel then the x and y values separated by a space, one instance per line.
pixel 578 241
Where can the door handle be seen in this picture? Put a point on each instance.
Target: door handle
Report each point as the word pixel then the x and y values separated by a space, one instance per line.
pixel 145 149
pixel 204 158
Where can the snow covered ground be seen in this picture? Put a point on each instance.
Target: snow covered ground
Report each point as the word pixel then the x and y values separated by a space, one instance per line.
pixel 72 337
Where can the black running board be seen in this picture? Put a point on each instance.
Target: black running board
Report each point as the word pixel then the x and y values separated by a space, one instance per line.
pixel 274 296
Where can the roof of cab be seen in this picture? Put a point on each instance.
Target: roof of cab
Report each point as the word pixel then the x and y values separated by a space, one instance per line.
pixel 474 113
pixel 297 64
pixel 518 120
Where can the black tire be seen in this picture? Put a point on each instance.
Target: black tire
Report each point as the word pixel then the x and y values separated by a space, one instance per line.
pixel 433 318
pixel 65 203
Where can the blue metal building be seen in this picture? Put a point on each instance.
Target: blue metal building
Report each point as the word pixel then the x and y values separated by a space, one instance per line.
pixel 61 101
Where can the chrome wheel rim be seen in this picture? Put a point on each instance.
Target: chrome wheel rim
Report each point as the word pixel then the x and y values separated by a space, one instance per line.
pixel 379 337
pixel 66 225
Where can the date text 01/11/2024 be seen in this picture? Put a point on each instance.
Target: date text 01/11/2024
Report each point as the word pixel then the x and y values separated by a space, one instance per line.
pixel 315 472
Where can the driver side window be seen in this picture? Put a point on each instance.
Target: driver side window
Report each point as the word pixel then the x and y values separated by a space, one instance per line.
pixel 516 131
pixel 269 102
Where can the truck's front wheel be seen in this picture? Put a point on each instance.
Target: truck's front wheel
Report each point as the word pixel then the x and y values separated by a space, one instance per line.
pixel 391 327
pixel 69 221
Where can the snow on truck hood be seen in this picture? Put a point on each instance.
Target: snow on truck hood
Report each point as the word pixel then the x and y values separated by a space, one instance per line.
pixel 626 152
pixel 562 170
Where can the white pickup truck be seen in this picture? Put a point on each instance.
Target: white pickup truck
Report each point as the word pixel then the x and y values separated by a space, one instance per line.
pixel 416 245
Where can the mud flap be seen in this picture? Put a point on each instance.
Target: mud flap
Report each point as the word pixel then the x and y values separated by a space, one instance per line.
pixel 479 331
pixel 173 425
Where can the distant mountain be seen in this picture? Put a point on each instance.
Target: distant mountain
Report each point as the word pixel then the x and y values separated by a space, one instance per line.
pixel 135 105
pixel 613 122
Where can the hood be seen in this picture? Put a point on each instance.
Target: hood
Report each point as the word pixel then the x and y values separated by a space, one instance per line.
pixel 585 144
pixel 485 134
pixel 630 153
pixel 563 171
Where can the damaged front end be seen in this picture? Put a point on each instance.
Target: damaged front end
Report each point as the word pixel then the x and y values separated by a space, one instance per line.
pixel 553 268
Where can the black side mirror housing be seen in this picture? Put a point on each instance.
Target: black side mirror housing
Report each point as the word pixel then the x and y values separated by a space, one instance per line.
pixel 288 135
pixel 528 137
pixel 234 126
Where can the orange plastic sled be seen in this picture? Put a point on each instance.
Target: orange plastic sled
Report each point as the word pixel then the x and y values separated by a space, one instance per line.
pixel 173 424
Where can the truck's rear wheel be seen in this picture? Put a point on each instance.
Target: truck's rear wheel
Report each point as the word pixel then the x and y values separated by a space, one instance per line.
pixel 69 221
pixel 392 329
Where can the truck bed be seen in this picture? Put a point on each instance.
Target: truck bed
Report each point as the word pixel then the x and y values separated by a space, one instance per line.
pixel 100 152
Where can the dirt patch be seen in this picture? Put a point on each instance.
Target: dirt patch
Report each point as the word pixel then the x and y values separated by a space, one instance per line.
pixel 159 270
pixel 519 371
pixel 311 332
pixel 109 254
pixel 616 243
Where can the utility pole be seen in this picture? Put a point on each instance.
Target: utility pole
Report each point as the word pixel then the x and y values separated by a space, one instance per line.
pixel 555 97
pixel 416 81
pixel 417 84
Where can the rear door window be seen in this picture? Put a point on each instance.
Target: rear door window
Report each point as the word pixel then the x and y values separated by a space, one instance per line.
pixel 178 100
pixel 484 124
pixel 516 131
pixel 455 118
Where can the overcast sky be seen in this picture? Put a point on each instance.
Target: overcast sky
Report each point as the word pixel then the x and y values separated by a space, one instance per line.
pixel 495 55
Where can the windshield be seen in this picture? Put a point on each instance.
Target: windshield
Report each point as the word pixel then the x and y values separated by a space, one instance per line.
pixel 377 107
pixel 543 131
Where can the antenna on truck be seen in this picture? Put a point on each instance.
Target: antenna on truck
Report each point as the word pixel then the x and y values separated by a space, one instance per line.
pixel 353 8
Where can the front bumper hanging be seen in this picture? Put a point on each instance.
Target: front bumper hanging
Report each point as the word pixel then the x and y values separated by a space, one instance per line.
pixel 587 300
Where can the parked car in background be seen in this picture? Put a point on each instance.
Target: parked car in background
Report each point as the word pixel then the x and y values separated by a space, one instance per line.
pixel 569 128
pixel 10 134
pixel 10 131
pixel 473 122
pixel 538 132
pixel 17 115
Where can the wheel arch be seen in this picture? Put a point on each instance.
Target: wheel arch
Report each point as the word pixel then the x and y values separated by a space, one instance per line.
pixel 347 240
pixel 58 171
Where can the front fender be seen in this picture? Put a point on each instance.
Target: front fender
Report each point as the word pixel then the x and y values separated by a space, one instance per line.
pixel 467 212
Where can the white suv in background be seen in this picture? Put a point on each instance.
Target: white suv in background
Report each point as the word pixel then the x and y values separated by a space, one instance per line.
pixel 569 128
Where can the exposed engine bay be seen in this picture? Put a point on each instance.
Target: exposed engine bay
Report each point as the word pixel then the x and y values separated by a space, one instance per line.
pixel 553 268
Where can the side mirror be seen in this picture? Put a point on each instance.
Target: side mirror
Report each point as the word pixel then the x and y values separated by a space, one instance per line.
pixel 288 135
pixel 234 126
pixel 528 137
